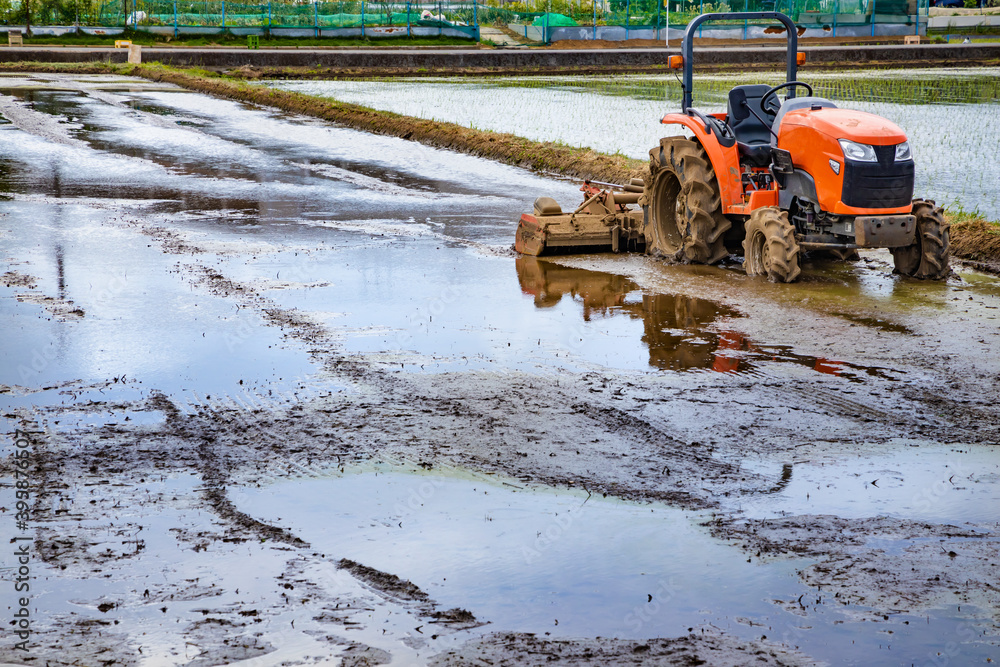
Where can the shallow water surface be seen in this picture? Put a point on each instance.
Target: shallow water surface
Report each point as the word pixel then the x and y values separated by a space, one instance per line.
pixel 569 565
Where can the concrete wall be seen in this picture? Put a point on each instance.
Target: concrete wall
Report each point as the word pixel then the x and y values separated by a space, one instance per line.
pixel 611 33
pixel 946 22
pixel 827 30
pixel 529 32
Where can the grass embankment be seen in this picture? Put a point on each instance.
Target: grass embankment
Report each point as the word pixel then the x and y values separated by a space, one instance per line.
pixel 230 40
pixel 973 238
pixel 95 67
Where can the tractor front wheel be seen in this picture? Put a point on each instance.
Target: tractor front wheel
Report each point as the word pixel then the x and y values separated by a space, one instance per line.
pixel 927 258
pixel 683 206
pixel 769 248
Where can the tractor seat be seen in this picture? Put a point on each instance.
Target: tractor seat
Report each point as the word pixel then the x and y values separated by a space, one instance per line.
pixel 750 130
pixel 799 103
pixel 753 137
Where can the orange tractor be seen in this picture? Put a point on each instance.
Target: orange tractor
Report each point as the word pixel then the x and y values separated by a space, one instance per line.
pixel 778 178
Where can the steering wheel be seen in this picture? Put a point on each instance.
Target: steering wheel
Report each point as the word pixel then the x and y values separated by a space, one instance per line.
pixel 788 84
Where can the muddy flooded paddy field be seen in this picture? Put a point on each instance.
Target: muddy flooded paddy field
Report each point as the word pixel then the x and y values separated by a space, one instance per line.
pixel 949 114
pixel 280 393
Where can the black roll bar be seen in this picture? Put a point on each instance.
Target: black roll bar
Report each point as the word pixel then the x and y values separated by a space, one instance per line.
pixel 687 46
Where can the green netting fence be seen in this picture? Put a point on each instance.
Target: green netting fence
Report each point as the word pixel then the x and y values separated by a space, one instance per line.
pixel 646 17
pixel 655 14
pixel 458 15
pixel 287 15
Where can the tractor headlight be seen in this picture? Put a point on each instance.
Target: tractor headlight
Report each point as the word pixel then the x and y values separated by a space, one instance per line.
pixel 858 152
pixel 903 152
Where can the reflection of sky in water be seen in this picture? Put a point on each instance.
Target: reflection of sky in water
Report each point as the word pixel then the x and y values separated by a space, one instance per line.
pixel 242 183
pixel 560 563
pixel 401 241
pixel 955 144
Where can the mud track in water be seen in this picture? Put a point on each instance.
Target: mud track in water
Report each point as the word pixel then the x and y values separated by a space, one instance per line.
pixel 856 567
pixel 704 647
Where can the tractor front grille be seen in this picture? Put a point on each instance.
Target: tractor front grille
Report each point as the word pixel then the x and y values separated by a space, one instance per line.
pixel 882 184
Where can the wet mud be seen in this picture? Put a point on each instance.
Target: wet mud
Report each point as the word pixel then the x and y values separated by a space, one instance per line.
pixel 419 446
pixel 695 649
pixel 858 561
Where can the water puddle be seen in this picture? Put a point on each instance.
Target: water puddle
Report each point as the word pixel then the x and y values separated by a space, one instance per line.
pixel 522 559
pixel 565 565
pixel 138 537
pixel 139 325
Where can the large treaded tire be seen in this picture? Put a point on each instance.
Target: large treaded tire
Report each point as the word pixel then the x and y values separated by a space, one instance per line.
pixel 769 248
pixel 928 258
pixel 684 208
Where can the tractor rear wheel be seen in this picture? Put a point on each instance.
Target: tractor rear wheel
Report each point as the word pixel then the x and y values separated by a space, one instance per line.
pixel 684 208
pixel 928 258
pixel 770 248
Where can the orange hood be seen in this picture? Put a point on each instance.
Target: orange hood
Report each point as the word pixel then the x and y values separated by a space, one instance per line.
pixel 865 128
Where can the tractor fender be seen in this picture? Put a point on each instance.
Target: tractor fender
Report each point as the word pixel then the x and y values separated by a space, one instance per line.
pixel 798 185
pixel 725 159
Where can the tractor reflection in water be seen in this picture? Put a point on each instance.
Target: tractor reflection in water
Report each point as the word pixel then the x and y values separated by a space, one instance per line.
pixel 677 329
